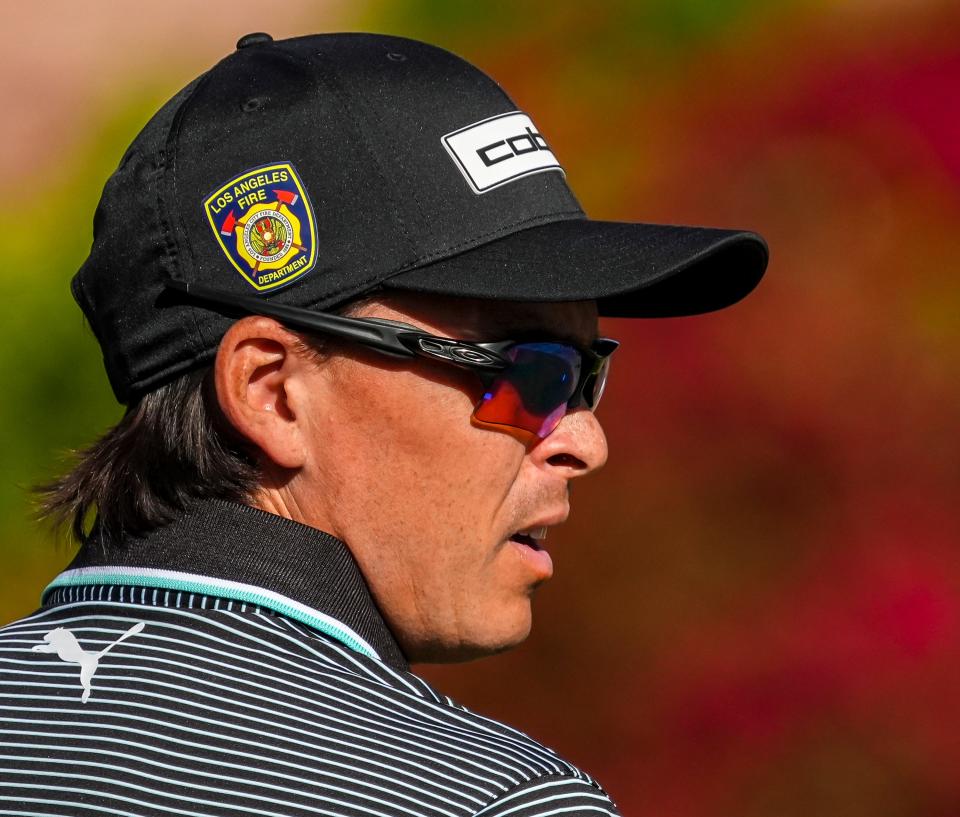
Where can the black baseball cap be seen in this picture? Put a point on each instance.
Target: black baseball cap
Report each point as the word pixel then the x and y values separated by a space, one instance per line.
pixel 314 169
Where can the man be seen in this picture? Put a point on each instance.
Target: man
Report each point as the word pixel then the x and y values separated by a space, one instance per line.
pixel 351 305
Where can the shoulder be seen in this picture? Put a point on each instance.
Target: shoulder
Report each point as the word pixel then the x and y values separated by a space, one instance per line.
pixel 228 696
pixel 533 779
pixel 500 769
pixel 549 795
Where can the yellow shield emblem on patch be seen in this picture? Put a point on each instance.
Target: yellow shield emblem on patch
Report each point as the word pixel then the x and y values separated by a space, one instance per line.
pixel 264 224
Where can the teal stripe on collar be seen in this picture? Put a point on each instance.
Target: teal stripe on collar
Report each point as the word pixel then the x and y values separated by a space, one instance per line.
pixel 210 586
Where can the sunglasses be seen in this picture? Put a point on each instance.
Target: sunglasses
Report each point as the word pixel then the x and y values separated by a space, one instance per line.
pixel 527 385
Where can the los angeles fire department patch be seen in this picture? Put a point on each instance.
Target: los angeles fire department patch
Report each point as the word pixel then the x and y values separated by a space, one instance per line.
pixel 264 223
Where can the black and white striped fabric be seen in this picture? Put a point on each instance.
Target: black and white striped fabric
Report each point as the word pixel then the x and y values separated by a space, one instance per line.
pixel 149 696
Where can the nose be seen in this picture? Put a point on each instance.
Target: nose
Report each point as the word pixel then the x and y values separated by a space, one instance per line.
pixel 576 447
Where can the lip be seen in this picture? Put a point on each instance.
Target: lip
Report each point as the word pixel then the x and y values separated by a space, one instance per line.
pixel 538 560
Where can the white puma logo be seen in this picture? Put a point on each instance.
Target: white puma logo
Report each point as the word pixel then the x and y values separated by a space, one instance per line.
pixel 65 645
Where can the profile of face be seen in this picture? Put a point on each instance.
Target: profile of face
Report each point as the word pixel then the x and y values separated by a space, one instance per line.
pixel 429 502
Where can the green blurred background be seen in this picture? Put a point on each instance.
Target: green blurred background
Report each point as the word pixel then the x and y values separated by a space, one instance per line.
pixel 756 604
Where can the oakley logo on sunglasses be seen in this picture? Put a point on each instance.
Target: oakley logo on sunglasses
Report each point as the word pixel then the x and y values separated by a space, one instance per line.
pixel 457 352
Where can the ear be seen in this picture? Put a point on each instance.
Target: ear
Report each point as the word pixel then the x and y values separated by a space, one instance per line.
pixel 260 378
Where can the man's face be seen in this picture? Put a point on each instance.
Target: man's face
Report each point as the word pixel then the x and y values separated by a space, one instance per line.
pixel 428 502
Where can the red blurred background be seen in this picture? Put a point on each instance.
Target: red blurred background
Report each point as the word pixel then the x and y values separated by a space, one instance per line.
pixel 756 604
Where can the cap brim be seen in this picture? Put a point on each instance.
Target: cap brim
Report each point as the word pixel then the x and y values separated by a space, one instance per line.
pixel 630 269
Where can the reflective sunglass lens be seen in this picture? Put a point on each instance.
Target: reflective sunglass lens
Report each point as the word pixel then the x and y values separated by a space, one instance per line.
pixel 544 375
pixel 532 394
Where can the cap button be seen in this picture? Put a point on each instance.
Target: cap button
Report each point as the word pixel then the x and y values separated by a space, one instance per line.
pixel 253 39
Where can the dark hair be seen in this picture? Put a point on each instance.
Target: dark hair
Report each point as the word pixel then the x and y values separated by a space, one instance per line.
pixel 171 447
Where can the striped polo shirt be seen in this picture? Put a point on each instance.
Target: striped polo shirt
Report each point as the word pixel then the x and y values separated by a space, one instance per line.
pixel 234 663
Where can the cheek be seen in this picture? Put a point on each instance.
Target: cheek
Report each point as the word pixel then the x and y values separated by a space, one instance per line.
pixel 413 421
pixel 415 460
pixel 454 476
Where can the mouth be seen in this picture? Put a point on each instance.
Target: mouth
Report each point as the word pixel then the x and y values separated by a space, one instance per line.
pixel 529 545
pixel 531 538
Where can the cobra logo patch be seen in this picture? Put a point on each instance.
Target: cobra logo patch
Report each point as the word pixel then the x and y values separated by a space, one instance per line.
pixel 264 223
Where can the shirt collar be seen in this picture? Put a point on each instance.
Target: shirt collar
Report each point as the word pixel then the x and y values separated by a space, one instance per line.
pixel 237 552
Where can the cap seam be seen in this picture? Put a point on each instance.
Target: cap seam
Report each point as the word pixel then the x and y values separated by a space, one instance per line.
pixel 373 121
pixel 173 140
pixel 342 97
pixel 508 229
pixel 444 253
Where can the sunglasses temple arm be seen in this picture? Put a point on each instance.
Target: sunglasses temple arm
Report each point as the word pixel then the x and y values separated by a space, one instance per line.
pixel 383 338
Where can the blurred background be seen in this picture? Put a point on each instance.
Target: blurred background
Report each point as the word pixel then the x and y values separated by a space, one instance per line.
pixel 756 608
